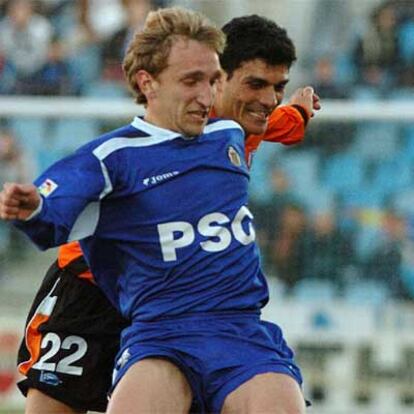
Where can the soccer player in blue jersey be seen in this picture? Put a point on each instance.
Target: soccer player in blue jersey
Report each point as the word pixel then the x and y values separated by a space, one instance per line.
pixel 160 207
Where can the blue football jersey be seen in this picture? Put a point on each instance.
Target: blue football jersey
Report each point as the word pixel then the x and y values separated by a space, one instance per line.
pixel 163 219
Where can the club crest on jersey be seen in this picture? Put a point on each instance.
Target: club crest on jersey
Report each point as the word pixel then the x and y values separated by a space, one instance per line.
pixel 234 156
pixel 47 187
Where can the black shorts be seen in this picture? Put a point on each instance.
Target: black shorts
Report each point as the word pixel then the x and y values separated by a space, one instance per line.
pixel 71 340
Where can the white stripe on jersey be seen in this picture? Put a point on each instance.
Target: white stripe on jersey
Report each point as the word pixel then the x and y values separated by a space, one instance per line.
pixel 108 185
pixel 85 224
pixel 114 144
pixel 152 129
pixel 159 135
pixel 220 125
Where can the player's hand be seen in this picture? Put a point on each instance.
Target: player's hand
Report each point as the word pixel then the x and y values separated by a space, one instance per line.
pixel 18 201
pixel 307 99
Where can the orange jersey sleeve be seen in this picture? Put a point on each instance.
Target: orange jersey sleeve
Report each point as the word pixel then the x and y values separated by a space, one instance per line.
pixel 67 255
pixel 286 126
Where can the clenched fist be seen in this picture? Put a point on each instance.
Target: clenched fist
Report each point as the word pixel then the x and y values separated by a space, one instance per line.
pixel 18 201
pixel 307 99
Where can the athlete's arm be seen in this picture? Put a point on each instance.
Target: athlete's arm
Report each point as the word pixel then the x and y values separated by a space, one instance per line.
pixel 51 210
pixel 287 123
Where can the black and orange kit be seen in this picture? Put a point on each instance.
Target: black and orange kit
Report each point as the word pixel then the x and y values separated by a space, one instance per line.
pixel 71 338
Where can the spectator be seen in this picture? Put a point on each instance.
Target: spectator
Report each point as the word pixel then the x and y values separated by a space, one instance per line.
pixel 325 80
pixel 329 251
pixel 100 19
pixel 377 56
pixel 25 38
pixel 385 263
pixel 325 135
pixel 287 244
pixel 55 77
pixel 267 213
pixel 114 48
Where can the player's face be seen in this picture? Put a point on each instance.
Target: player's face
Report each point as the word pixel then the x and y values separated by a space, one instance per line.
pixel 252 93
pixel 183 93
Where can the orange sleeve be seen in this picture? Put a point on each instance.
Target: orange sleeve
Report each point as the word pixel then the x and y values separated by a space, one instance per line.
pixel 70 252
pixel 286 125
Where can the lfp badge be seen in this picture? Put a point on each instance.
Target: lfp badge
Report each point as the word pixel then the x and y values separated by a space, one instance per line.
pixel 47 187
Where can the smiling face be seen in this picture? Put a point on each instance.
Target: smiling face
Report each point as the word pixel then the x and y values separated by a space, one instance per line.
pixel 181 96
pixel 251 93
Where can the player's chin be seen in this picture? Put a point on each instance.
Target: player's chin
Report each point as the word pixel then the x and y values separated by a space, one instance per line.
pixel 254 127
pixel 195 126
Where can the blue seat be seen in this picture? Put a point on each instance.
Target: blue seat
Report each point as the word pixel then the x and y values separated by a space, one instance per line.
pixel 366 292
pixel 302 169
pixel 407 276
pixel 364 197
pixel 376 141
pixel 402 94
pixel 393 176
pixel 367 239
pixel 70 134
pixel 47 157
pixel 317 199
pixel 344 68
pixel 31 133
pixel 403 202
pixel 343 171
pixel 405 41
pixel 105 89
pixel 314 290
pixel 64 137
pixel 259 186
pixel 365 94
pixel 407 149
pixel 85 66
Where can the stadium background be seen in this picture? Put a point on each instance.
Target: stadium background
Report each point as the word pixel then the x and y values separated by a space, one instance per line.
pixel 335 215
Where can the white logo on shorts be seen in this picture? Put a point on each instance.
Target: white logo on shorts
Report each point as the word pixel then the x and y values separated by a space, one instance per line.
pixel 124 358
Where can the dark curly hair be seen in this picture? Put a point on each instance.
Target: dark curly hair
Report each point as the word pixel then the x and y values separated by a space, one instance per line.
pixel 255 37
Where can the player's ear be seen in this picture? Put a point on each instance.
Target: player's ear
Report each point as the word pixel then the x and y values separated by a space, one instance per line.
pixel 146 83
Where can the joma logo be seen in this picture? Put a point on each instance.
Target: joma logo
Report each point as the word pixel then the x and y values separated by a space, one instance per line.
pixel 158 178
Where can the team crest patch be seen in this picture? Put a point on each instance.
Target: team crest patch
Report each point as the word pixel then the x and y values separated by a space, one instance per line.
pixel 234 156
pixel 47 187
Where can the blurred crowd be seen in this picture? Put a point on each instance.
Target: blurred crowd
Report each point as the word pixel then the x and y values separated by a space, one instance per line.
pixel 334 243
pixel 64 47
pixel 334 216
pixel 376 61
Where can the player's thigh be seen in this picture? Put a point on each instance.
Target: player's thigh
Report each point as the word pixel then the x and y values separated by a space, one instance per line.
pixel 39 403
pixel 152 385
pixel 269 393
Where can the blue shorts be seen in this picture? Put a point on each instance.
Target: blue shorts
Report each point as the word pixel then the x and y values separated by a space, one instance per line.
pixel 216 353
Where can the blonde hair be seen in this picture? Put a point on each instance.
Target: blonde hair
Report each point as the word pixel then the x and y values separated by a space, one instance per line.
pixel 150 48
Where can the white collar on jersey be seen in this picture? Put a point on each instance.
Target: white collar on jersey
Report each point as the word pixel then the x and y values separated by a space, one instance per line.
pixel 166 134
pixel 152 129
